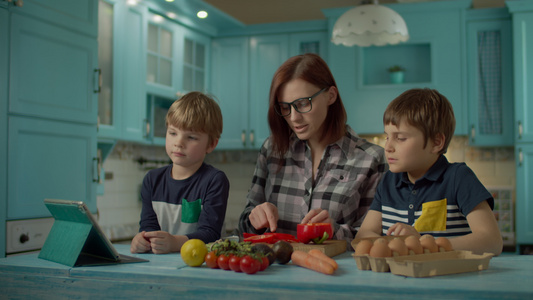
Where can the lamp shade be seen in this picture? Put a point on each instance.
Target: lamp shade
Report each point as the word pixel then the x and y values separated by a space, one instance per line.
pixel 369 24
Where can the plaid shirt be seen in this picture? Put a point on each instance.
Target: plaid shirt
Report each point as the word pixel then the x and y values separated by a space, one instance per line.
pixel 345 184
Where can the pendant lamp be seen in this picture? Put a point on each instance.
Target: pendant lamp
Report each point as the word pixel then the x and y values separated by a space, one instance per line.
pixel 369 24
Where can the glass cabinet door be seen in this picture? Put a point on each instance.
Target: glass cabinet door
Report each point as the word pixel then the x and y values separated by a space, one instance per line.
pixel 193 65
pixel 105 62
pixel 159 58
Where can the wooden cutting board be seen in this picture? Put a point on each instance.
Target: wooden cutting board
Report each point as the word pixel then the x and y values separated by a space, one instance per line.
pixel 329 247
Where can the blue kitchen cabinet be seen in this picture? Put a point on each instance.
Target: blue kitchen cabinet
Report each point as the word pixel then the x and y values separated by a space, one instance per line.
pixel 267 53
pixel 122 103
pixel 522 12
pixel 3 122
pixel 230 87
pixel 522 19
pixel 524 194
pixel 49 159
pixel 431 57
pixel 53 71
pixel 79 16
pixel 308 42
pixel 489 80
pixel 48 114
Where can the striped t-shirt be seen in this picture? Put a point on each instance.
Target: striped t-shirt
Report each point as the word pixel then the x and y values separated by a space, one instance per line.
pixel 436 204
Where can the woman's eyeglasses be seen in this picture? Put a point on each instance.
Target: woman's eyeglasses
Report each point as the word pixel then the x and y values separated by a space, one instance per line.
pixel 301 105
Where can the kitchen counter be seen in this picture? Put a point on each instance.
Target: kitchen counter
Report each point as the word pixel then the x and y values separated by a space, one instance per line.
pixel 166 276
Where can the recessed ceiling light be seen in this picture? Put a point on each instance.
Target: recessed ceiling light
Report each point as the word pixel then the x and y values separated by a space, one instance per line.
pixel 169 0
pixel 171 15
pixel 202 14
pixel 158 19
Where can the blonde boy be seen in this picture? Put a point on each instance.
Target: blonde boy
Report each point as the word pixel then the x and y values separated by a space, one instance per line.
pixel 423 193
pixel 188 198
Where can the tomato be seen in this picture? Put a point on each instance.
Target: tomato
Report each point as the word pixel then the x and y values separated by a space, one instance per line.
pixel 235 263
pixel 264 263
pixel 250 265
pixel 316 232
pixel 211 260
pixel 223 262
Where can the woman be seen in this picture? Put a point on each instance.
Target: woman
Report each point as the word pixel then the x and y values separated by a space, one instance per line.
pixel 313 168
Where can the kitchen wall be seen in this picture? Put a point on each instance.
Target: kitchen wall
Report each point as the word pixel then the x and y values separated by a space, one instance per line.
pixel 120 205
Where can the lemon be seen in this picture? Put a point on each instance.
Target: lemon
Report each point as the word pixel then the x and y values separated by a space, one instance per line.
pixel 193 252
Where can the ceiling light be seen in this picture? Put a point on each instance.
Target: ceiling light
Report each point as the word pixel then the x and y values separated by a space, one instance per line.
pixel 369 24
pixel 202 14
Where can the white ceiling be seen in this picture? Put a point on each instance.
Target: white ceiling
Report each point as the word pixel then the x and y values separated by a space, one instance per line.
pixel 272 11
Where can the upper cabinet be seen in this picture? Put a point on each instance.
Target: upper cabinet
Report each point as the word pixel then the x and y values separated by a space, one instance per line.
pixel 489 80
pixel 522 12
pixel 431 58
pixel 148 60
pixel 242 71
pixel 54 70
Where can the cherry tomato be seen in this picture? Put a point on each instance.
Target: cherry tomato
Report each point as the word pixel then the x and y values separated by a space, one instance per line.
pixel 249 265
pixel 235 263
pixel 223 262
pixel 211 260
pixel 264 263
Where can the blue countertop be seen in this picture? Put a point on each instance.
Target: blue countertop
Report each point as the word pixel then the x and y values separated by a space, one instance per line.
pixel 27 276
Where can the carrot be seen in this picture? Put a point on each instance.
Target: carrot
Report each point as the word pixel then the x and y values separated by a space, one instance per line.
pixel 306 260
pixel 319 254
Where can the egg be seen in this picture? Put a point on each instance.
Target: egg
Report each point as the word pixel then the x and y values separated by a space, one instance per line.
pixel 363 247
pixel 428 243
pixel 380 248
pixel 444 244
pixel 413 244
pixel 398 247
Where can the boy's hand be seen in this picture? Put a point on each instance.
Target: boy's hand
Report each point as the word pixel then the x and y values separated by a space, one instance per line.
pixel 140 244
pixel 264 216
pixel 402 229
pixel 161 242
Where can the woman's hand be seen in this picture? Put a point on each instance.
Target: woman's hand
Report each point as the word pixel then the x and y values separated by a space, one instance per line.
pixel 264 216
pixel 402 229
pixel 317 215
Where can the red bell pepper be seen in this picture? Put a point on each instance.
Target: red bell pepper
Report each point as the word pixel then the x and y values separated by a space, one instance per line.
pixel 269 237
pixel 314 232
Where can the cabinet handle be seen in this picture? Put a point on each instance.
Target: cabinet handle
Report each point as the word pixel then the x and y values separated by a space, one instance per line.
pixel 96 161
pixel 520 157
pixel 252 138
pixel 98 80
pixel 147 126
pixel 520 129
pixel 243 138
pixel 473 133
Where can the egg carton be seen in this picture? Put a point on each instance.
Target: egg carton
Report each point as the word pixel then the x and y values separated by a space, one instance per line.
pixel 426 265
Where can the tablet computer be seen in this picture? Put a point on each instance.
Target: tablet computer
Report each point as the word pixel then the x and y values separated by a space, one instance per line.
pixel 76 239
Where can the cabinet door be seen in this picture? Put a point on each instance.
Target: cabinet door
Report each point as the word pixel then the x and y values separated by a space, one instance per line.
pixel 161 50
pixel 79 15
pixel 52 72
pixel 3 122
pixel 49 159
pixel 108 112
pixel 524 194
pixel 308 42
pixel 523 75
pixel 490 97
pixel 229 85
pixel 267 54
pixel 131 73
pixel 195 63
